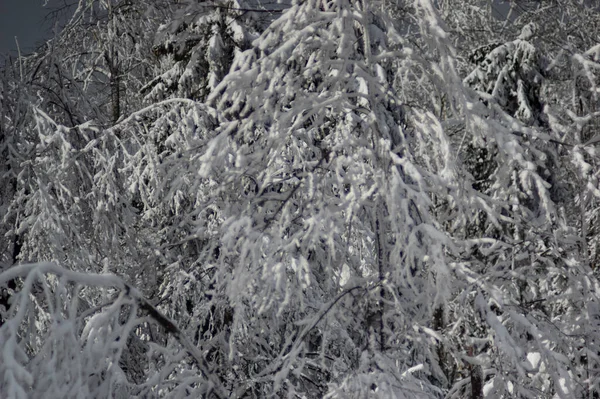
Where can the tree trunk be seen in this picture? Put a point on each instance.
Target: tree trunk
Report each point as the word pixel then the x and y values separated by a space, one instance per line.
pixel 476 380
pixel 112 60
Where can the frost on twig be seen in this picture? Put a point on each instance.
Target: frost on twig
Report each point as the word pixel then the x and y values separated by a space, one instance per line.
pixel 58 345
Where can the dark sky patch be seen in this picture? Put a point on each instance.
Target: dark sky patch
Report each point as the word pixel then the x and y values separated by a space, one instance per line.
pixel 27 20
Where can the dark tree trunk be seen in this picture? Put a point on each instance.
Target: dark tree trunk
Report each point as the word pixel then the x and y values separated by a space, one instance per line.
pixel 115 89
pixel 438 325
pixel 476 382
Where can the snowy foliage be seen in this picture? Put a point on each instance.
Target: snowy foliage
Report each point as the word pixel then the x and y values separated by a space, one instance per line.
pixel 319 198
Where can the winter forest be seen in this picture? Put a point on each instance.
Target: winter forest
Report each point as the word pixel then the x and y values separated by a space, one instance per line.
pixel 303 199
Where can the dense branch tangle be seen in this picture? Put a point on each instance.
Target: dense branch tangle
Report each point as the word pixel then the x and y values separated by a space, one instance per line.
pixel 51 304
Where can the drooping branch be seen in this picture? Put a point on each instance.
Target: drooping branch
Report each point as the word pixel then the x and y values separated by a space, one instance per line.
pixel 113 281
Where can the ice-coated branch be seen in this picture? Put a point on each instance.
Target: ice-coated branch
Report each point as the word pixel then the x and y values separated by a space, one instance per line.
pixel 36 270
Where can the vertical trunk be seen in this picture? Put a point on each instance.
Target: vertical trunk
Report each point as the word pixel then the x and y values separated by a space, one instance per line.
pixel 112 60
pixel 115 93
pixel 476 379
pixel 380 239
pixel 438 325
pixel 476 382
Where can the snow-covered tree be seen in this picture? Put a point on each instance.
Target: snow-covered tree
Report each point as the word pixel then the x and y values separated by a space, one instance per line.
pixel 198 43
pixel 320 198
